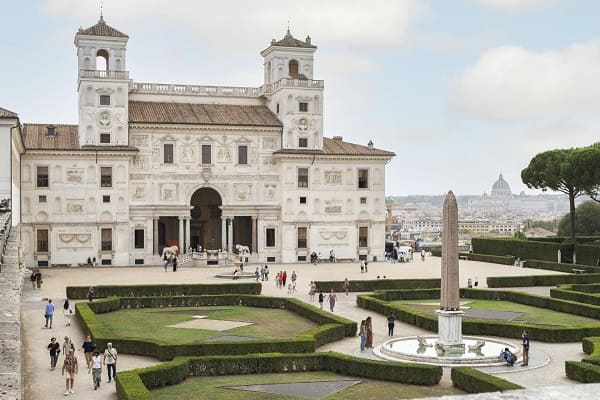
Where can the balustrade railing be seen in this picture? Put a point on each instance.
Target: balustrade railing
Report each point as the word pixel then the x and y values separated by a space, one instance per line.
pixel 103 74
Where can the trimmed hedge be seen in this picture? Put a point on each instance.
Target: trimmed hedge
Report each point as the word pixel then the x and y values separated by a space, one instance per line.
pixel 81 292
pixel 540 280
pixel 379 303
pixel 582 372
pixel 567 292
pixel 561 267
pixel 332 327
pixel 489 258
pixel 473 381
pixel 135 384
pixel 380 284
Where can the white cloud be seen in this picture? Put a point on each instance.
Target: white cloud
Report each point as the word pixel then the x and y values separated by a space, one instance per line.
pixel 512 83
pixel 238 23
pixel 516 5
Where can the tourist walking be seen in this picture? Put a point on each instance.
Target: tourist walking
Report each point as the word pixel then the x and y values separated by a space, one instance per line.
pixel 321 299
pixel 266 272
pixel 369 329
pixel 332 298
pixel 49 314
pixel 54 349
pixel 284 278
pixel 89 262
pixel 363 334
pixel 32 279
pixel 423 255
pixel 91 294
pixel 67 345
pixel 88 347
pixel 67 312
pixel 165 262
pixel 346 286
pixel 257 274
pixel 38 279
pixel 366 266
pixel 362 266
pixel 94 263
pixel 311 291
pixel 71 368
pixel 391 321
pixel 95 367
pixel 174 263
pixel 525 337
pixel 110 359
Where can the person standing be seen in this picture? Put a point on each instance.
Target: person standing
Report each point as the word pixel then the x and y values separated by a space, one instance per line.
pixel 71 367
pixel 525 337
pixel 32 279
pixel 54 349
pixel 363 334
pixel 332 298
pixel 362 266
pixel 346 286
pixel 95 367
pixel 391 321
pixel 321 298
pixel 67 345
pixel 49 314
pixel 110 359
pixel 266 272
pixel 38 279
pixel 165 261
pixel 88 347
pixel 67 312
pixel 174 263
pixel 423 255
pixel 257 274
pixel 94 263
pixel 91 293
pixel 369 329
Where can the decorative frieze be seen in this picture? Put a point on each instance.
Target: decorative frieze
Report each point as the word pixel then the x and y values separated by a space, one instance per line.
pixel 74 207
pixel 333 177
pixel 242 191
pixel 74 175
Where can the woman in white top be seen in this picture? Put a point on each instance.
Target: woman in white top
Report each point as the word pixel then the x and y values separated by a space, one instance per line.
pixel 95 367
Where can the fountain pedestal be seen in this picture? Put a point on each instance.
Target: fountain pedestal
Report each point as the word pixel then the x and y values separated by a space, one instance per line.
pixel 450 337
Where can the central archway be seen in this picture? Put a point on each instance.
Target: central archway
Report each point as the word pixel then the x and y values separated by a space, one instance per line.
pixel 205 225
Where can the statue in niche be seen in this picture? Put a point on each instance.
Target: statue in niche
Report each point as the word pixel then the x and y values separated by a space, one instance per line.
pixel 243 192
pixel 187 153
pixel 270 192
pixel 118 119
pixel 139 162
pixel 224 154
pixel 302 125
pixel 104 119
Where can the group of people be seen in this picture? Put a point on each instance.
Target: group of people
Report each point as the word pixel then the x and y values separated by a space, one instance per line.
pixel 36 279
pixel 315 257
pixel 366 333
pixel 91 262
pixel 511 358
pixel 169 260
pixel 262 273
pixel 93 361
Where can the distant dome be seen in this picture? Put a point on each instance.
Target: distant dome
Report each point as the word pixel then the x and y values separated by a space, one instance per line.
pixel 500 188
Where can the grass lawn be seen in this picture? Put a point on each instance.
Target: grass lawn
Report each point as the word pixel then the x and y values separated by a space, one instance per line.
pixel 531 315
pixel 153 323
pixel 211 388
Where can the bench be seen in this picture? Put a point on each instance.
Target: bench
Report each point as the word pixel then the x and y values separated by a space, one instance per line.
pixel 578 271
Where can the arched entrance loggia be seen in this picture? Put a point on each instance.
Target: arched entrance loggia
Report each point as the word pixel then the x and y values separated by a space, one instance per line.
pixel 205 223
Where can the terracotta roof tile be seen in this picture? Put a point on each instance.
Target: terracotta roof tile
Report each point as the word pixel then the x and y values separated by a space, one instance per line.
pixel 290 41
pixel 340 148
pixel 4 113
pixel 36 137
pixel 101 29
pixel 201 114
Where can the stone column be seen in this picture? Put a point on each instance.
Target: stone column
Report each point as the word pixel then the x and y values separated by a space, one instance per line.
pixel 230 236
pixel 155 235
pixel 188 220
pixel 181 244
pixel 223 233
pixel 450 296
pixel 254 244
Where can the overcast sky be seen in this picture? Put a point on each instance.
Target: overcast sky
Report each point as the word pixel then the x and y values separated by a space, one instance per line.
pixel 461 90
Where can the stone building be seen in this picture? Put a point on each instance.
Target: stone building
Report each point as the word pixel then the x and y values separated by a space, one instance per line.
pixel 151 165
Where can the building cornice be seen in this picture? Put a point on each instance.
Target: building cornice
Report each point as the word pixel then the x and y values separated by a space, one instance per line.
pixel 219 128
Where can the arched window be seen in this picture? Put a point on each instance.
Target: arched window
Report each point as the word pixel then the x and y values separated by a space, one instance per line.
pixel 102 60
pixel 293 67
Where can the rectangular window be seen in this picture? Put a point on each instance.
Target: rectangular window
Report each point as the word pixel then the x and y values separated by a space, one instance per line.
pixel 42 240
pixel 42 199
pixel 363 236
pixel 106 261
pixel 168 153
pixel 302 177
pixel 277 108
pixel 106 238
pixel 105 138
pixel 138 238
pixel 206 154
pixel 302 142
pixel 303 107
pixel 42 176
pixel 302 199
pixel 106 199
pixel 302 237
pixel 105 176
pixel 105 100
pixel 242 154
pixel 363 178
pixel 363 200
pixel 270 237
pixel 138 261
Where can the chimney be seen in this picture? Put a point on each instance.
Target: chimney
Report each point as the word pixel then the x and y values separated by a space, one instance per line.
pixel 273 41
pixel 308 40
pixel 370 145
pixel 338 138
pixel 51 130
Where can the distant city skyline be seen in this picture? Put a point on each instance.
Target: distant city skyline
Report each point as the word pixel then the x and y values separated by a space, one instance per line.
pixel 462 91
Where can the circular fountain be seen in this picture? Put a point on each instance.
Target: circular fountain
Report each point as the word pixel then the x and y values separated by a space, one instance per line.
pixel 424 349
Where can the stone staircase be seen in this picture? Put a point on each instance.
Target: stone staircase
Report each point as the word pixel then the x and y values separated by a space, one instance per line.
pixel 11 284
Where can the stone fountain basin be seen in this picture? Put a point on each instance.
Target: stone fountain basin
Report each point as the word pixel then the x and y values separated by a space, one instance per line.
pixel 408 349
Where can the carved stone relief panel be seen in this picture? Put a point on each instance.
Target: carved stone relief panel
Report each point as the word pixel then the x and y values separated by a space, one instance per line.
pixel 74 206
pixel 139 193
pixel 243 191
pixel 268 162
pixel 188 153
pixel 333 236
pixel 140 140
pixel 140 162
pixel 168 191
pixel 333 206
pixel 224 154
pixel 269 143
pixel 74 175
pixel 333 177
pixel 270 192
pixel 74 240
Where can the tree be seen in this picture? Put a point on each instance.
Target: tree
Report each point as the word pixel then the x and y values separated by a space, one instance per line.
pixel 590 170
pixel 587 220
pixel 560 170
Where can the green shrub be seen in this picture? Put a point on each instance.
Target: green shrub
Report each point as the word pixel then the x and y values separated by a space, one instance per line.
pixel 540 280
pixel 473 381
pixel 81 292
pixel 582 372
pixel 129 386
pixel 567 292
pixel 561 267
pixel 489 258
pixel 380 284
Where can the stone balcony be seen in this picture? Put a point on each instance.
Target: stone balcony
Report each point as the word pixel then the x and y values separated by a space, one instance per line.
pixel 103 74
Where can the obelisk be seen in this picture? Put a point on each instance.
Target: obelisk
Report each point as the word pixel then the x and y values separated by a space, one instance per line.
pixel 449 314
